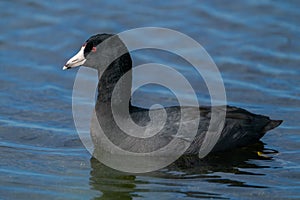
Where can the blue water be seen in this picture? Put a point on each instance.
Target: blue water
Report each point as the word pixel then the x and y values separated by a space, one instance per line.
pixel 255 44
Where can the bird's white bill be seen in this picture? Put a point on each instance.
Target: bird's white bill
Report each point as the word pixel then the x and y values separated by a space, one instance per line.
pixel 76 60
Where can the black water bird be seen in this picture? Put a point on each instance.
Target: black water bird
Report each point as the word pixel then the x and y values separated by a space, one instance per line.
pixel 241 127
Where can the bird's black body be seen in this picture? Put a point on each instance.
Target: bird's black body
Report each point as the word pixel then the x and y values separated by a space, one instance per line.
pixel 241 127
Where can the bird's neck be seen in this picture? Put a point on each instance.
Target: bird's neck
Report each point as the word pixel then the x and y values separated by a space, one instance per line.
pixel 116 81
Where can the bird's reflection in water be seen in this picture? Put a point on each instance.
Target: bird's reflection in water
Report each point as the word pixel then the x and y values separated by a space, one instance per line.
pixel 180 176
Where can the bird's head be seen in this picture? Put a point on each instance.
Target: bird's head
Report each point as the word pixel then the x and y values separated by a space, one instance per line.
pixel 87 55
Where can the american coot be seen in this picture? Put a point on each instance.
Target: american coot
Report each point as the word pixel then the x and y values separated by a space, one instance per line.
pixel 241 127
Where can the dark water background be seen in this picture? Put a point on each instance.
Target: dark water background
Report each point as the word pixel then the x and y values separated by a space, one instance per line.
pixel 254 43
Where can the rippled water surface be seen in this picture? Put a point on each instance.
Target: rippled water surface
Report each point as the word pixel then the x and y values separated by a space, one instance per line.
pixel 255 44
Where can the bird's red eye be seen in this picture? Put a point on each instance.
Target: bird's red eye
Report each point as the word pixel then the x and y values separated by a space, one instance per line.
pixel 94 49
